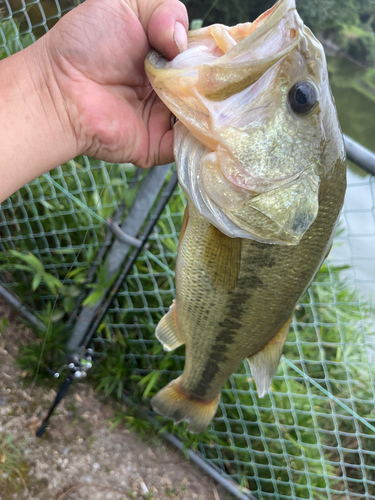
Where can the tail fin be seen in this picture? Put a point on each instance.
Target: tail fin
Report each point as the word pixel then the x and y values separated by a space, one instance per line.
pixel 173 402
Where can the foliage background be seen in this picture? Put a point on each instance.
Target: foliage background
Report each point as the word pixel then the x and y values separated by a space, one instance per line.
pixel 325 17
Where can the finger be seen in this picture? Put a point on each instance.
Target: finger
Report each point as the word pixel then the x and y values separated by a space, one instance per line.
pixel 166 148
pixel 165 23
pixel 160 133
pixel 151 137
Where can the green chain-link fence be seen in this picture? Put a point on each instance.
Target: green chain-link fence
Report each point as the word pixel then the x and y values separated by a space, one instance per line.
pixel 313 435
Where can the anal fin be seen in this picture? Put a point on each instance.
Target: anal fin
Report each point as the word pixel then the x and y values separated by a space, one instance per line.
pixel 166 331
pixel 263 364
pixel 173 402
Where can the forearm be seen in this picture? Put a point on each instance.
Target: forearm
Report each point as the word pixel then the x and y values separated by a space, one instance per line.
pixel 36 134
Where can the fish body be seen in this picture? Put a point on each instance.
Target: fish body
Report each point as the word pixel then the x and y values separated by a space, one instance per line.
pixel 260 156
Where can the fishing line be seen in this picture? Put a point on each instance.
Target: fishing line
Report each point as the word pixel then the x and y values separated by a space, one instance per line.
pixel 327 393
pixel 85 207
pixel 209 10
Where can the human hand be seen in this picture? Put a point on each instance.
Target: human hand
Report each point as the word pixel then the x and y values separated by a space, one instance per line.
pixel 97 54
pixel 82 89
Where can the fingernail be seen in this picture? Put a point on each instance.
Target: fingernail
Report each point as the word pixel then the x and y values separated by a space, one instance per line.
pixel 180 36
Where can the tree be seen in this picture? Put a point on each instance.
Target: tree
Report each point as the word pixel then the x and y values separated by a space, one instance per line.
pixel 319 15
pixel 362 49
pixel 227 12
pixel 331 15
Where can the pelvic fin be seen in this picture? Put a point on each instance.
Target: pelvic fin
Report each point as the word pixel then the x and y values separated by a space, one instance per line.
pixel 263 364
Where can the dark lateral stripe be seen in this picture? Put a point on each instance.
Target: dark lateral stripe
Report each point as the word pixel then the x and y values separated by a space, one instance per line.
pixel 237 304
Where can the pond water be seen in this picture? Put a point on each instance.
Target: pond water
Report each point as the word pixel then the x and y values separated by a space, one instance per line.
pixel 356 243
pixel 355 109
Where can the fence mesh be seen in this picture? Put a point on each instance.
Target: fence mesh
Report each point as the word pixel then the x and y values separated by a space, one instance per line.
pixel 313 435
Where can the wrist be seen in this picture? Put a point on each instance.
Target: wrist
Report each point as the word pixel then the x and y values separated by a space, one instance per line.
pixel 51 97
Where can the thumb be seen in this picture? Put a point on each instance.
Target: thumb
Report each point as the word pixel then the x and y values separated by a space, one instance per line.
pixel 166 23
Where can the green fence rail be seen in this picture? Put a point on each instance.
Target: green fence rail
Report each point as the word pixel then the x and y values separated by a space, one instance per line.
pixel 313 435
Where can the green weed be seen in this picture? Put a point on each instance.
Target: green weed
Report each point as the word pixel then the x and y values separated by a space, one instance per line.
pixel 14 42
pixel 3 324
pixel 100 286
pixel 46 350
pixel 32 265
pixel 13 469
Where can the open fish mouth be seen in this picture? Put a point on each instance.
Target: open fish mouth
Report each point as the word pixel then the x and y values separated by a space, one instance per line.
pixel 270 38
pixel 221 61
pixel 225 60
pixel 238 143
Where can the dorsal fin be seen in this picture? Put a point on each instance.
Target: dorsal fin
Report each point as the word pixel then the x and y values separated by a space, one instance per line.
pixel 263 364
pixel 166 331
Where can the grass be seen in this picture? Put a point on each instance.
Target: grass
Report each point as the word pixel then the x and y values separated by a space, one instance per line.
pixel 354 31
pixel 13 469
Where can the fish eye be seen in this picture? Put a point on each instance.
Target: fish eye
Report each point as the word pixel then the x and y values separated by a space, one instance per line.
pixel 302 97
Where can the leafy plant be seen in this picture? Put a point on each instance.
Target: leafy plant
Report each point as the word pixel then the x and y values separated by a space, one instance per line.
pixel 3 324
pixel 47 350
pixel 100 286
pixel 32 265
pixel 362 49
pixel 14 42
pixel 112 373
pixel 133 420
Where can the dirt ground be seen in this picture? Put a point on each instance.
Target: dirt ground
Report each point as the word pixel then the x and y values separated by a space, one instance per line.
pixel 79 458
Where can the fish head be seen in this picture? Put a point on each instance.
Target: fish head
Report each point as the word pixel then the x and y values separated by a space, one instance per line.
pixel 258 133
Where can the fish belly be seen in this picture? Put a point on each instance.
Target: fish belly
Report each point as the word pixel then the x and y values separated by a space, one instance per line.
pixel 232 300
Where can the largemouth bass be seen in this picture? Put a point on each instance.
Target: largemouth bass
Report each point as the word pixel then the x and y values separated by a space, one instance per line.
pixel 261 159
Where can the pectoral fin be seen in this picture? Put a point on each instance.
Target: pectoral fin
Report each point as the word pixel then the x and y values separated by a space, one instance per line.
pixel 166 331
pixel 263 365
pixel 222 258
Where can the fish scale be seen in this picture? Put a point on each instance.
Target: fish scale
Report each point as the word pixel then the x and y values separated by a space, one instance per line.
pixel 257 293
